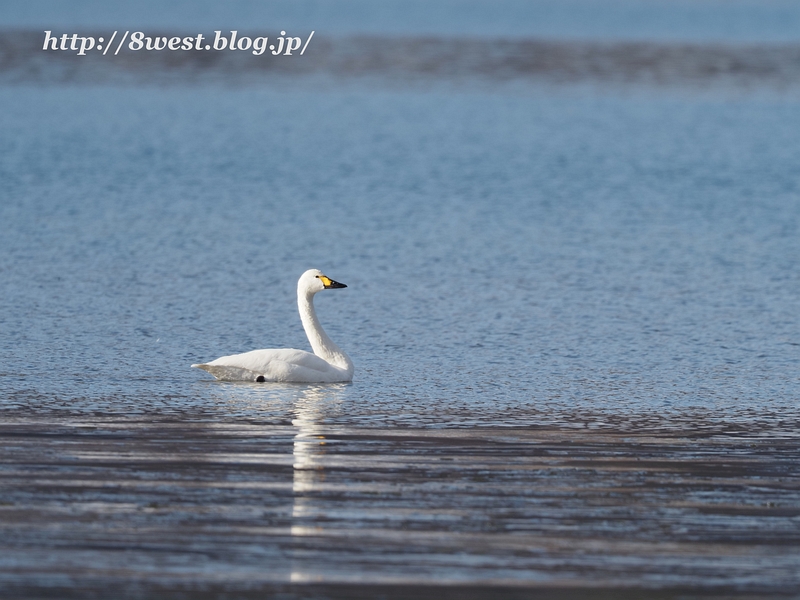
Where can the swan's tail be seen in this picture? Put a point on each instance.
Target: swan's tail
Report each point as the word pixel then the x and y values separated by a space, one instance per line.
pixel 225 373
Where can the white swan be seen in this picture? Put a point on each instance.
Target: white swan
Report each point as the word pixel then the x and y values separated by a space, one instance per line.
pixel 328 364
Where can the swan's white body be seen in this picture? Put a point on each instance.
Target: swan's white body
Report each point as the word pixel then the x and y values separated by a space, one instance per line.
pixel 328 364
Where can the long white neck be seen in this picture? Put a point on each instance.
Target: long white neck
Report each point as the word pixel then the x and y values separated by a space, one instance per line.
pixel 322 345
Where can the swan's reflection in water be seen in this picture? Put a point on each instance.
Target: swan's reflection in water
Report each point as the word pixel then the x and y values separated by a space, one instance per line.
pixel 309 450
pixel 306 406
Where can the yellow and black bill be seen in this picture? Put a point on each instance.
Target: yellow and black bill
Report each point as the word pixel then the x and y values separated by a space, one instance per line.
pixel 329 283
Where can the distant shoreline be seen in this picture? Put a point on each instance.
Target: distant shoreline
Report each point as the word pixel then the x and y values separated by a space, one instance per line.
pixel 423 58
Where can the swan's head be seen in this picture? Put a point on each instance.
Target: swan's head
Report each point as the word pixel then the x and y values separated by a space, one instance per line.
pixel 314 280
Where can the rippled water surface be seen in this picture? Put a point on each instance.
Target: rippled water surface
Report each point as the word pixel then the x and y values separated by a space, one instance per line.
pixel 503 250
pixel 572 309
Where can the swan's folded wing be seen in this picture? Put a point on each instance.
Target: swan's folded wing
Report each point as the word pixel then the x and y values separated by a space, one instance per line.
pixel 259 360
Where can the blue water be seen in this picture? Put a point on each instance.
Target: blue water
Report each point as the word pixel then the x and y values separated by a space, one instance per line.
pixel 504 251
pixel 572 309
pixel 698 20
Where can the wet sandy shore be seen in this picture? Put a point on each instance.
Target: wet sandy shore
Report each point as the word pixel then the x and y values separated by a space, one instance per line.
pixel 159 508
